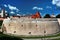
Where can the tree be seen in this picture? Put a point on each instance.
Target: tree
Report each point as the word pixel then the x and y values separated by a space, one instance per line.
pixel 47 16
pixel 58 16
pixel 1 23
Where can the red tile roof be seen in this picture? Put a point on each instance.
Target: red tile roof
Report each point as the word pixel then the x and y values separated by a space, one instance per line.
pixel 2 18
pixel 37 15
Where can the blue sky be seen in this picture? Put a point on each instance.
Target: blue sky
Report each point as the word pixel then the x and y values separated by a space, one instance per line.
pixel 28 7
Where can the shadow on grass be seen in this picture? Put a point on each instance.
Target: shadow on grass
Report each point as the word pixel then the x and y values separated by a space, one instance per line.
pixel 7 37
pixel 10 38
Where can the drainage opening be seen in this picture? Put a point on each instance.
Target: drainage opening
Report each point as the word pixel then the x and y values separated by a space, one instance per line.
pixel 14 31
pixel 44 31
pixel 29 32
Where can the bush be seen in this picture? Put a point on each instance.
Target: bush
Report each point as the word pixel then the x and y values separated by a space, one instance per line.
pixel 47 16
pixel 58 16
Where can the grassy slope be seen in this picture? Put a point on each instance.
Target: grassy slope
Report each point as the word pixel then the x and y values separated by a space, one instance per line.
pixel 7 37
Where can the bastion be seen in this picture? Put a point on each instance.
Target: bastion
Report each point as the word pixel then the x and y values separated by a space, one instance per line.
pixel 30 26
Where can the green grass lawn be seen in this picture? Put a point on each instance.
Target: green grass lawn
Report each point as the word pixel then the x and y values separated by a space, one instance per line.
pixel 38 36
pixel 56 39
pixel 7 37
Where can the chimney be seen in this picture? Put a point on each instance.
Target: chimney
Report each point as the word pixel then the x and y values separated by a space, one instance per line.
pixel 3 13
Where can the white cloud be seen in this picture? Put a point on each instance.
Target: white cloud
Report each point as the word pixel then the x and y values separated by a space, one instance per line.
pixel 5 5
pixel 12 12
pixel 37 8
pixel 0 8
pixel 5 11
pixel 34 7
pixel 13 8
pixel 24 14
pixel 56 2
pixel 48 7
pixel 18 15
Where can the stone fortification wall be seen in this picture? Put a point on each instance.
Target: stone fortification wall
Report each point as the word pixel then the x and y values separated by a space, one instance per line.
pixel 58 20
pixel 28 26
